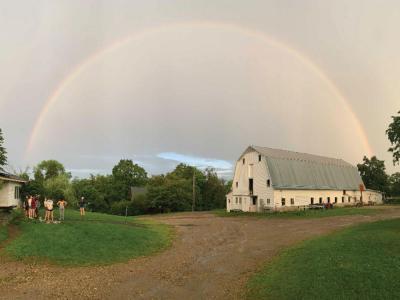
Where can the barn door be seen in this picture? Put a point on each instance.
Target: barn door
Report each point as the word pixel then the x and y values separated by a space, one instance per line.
pixel 253 203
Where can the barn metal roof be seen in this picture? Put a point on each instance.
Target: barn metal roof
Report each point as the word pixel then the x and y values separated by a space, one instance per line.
pixel 294 170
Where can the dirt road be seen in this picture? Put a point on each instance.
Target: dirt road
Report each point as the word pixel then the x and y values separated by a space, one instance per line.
pixel 211 258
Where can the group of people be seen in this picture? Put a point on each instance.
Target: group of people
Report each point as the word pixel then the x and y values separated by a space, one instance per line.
pixel 32 205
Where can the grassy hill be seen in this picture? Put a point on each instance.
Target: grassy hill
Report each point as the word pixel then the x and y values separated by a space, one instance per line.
pixel 361 262
pixel 92 240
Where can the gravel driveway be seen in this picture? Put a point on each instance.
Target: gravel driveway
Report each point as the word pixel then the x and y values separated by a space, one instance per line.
pixel 211 258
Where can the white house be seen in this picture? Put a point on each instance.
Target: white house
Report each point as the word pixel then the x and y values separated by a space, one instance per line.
pixel 10 188
pixel 272 179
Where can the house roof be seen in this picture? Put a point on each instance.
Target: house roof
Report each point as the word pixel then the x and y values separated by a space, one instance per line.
pixel 294 170
pixel 10 177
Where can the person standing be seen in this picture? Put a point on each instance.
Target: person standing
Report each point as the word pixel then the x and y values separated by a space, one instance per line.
pixel 46 211
pixel 49 210
pixel 26 206
pixel 30 207
pixel 33 208
pixel 61 206
pixel 82 206
pixel 37 206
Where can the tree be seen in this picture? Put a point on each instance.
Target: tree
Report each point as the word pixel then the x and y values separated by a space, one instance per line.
pixel 126 174
pixel 32 187
pixel 129 173
pixel 174 191
pixel 394 180
pixel 213 191
pixel 89 189
pixel 373 173
pixel 169 193
pixel 228 186
pixel 58 187
pixel 393 133
pixel 3 152
pixel 49 169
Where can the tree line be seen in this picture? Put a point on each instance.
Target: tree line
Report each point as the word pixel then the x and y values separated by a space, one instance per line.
pixel 112 193
pixel 173 191
pixel 373 170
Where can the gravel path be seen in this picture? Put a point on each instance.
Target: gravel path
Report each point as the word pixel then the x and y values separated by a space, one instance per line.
pixel 211 258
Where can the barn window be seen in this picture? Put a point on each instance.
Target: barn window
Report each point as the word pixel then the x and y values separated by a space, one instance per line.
pixel 268 201
pixel 320 200
pixel 236 200
pixel 240 200
pixel 342 199
pixel 237 184
pixel 229 200
pixel 259 157
pixel 329 199
pixel 312 200
pixel 283 201
pixel 291 201
pixel 349 199
pixel 244 161
pixel 335 199
pixel 268 183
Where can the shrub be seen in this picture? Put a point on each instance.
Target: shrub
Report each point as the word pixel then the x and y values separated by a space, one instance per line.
pixel 16 216
pixel 138 206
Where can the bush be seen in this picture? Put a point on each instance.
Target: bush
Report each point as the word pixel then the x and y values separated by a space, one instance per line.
pixel 138 206
pixel 395 200
pixel 119 208
pixel 16 216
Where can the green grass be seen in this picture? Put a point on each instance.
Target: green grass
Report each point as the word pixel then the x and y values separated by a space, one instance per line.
pixel 362 262
pixel 3 233
pixel 97 239
pixel 312 213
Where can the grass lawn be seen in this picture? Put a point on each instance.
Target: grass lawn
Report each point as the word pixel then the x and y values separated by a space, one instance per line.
pixel 312 213
pixel 3 233
pixel 361 262
pixel 97 239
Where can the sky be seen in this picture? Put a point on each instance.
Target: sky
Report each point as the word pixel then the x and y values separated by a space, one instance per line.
pixel 166 82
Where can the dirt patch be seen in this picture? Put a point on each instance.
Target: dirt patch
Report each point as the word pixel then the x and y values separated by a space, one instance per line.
pixel 211 258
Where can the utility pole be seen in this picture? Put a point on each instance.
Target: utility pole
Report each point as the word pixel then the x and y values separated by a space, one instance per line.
pixel 194 189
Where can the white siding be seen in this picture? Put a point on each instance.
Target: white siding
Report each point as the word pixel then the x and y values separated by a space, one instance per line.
pixel 249 166
pixel 373 197
pixel 258 170
pixel 303 197
pixel 7 194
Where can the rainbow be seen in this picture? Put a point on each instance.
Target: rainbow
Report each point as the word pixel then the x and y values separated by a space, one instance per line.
pixel 74 74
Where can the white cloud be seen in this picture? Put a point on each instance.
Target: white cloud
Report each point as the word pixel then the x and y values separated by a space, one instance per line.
pixel 199 162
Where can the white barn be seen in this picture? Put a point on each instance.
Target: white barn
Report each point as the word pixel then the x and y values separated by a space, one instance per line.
pixel 10 190
pixel 273 179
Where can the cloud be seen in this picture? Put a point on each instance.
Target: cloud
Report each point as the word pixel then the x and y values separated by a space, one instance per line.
pixel 199 162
